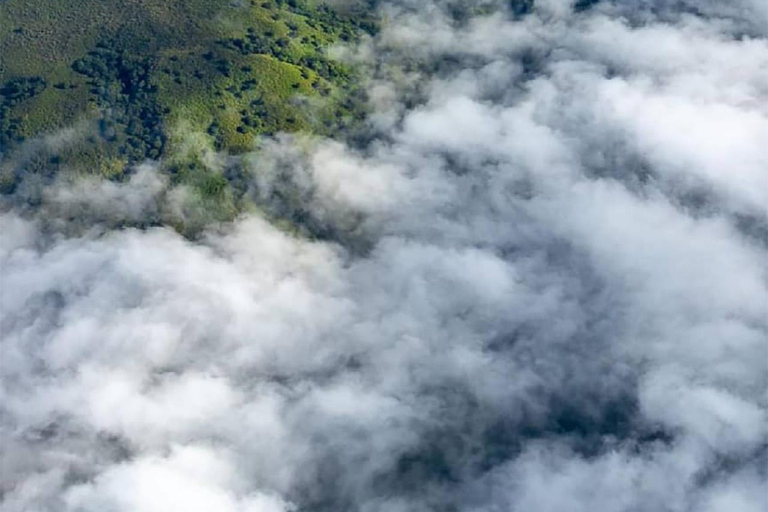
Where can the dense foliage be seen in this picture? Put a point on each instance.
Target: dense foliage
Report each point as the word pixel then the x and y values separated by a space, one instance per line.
pixel 94 88
pixel 141 71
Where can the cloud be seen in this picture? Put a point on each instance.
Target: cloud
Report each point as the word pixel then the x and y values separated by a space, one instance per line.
pixel 189 478
pixel 540 284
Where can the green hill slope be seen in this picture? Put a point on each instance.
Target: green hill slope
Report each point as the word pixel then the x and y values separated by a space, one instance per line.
pixel 130 76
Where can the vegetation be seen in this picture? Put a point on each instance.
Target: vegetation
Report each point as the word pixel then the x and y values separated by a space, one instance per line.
pixel 132 75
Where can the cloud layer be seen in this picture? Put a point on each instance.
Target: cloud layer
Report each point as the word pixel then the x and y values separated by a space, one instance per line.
pixel 536 283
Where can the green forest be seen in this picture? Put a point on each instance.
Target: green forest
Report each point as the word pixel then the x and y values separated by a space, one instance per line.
pixel 95 87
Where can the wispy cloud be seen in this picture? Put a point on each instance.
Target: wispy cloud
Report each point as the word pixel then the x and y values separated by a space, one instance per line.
pixel 540 284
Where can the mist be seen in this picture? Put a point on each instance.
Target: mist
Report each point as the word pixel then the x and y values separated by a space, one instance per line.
pixel 535 281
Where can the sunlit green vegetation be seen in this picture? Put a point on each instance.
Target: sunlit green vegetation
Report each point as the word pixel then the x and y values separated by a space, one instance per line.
pixel 94 87
pixel 137 70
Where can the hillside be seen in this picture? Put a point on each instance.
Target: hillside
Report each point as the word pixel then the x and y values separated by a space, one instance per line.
pixel 128 79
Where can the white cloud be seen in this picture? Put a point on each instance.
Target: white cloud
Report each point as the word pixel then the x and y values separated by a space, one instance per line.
pixel 535 291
